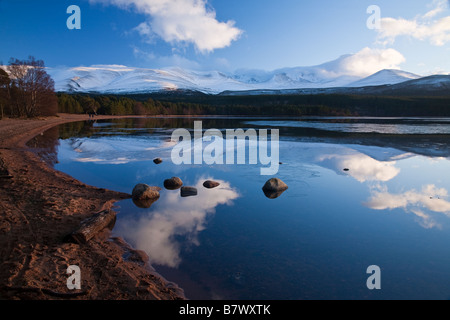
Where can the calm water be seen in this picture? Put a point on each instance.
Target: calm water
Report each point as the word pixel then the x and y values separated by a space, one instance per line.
pixel 316 240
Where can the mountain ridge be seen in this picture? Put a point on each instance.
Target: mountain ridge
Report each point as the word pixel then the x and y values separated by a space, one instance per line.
pixel 122 79
pixel 330 77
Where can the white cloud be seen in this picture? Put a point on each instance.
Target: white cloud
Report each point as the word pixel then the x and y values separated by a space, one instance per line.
pixel 369 61
pixel 363 63
pixel 423 27
pixel 439 7
pixel 145 31
pixel 181 21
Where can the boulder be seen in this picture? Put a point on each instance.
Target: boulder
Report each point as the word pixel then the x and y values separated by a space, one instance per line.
pixel 158 161
pixel 211 184
pixel 173 183
pixel 274 188
pixel 144 204
pixel 188 192
pixel 144 192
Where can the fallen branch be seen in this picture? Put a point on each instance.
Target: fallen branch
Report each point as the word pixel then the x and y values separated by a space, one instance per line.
pixel 90 227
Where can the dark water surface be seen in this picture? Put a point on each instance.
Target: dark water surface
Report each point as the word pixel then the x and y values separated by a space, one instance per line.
pixel 391 208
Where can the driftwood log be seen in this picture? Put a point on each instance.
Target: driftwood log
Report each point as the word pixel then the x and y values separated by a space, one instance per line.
pixel 92 226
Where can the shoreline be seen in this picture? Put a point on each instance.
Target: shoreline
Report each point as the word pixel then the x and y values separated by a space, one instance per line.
pixel 39 206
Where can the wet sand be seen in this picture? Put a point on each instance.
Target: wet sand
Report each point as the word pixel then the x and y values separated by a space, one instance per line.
pixel 39 207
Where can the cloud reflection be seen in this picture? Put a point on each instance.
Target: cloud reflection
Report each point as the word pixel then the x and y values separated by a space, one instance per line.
pixel 430 198
pixel 365 164
pixel 362 167
pixel 158 232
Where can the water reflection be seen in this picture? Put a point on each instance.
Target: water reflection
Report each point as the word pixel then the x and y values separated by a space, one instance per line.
pixel 430 198
pixel 361 167
pixel 363 163
pixel 175 223
pixel 114 150
pixel 363 125
pixel 46 145
pixel 323 233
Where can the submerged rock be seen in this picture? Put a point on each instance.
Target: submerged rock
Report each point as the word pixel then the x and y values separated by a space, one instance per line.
pixel 274 188
pixel 211 184
pixel 188 192
pixel 158 161
pixel 143 192
pixel 174 183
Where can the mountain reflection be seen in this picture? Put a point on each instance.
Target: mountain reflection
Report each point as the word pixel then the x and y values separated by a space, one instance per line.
pixel 176 222
pixel 430 199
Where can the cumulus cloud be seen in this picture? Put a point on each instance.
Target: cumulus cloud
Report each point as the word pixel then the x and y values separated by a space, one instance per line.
pixel 423 27
pixel 369 61
pixel 181 21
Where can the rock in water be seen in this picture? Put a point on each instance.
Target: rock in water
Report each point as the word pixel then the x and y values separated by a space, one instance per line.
pixel 158 161
pixel 211 184
pixel 173 183
pixel 144 192
pixel 275 185
pixel 144 204
pixel 188 192
pixel 274 188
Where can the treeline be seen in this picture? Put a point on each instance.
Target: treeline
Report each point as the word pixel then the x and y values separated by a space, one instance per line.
pixel 262 105
pixel 325 104
pixel 136 105
pixel 26 90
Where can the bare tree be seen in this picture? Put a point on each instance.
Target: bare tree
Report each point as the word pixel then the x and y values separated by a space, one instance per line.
pixel 35 89
pixel 5 92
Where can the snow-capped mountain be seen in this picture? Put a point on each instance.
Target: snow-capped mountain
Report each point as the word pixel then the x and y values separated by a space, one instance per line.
pixel 385 77
pixel 332 76
pixel 337 76
pixel 122 79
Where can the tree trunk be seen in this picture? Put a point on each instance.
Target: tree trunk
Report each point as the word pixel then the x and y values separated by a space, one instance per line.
pixel 90 227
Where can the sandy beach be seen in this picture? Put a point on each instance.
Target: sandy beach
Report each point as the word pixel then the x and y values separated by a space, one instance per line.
pixel 39 207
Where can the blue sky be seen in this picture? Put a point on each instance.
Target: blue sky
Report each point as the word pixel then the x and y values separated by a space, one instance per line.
pixel 229 34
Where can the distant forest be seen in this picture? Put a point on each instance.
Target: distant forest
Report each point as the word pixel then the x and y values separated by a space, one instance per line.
pixel 264 105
